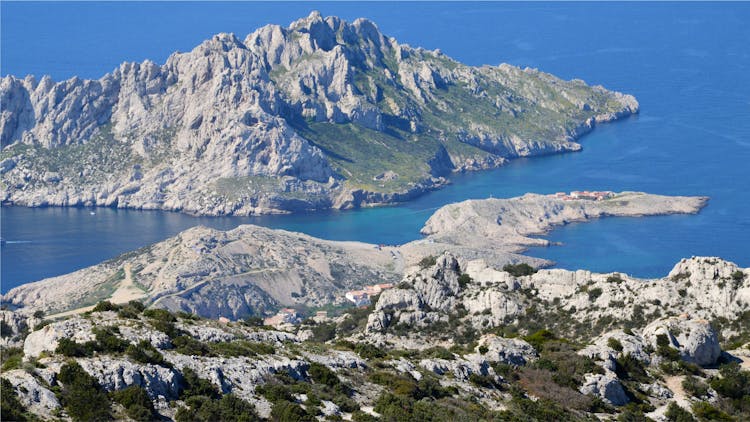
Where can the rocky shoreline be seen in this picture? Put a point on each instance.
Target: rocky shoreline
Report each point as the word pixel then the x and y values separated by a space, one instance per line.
pixel 251 269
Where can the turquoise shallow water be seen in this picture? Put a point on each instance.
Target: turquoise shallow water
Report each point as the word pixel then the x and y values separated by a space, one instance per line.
pixel 688 65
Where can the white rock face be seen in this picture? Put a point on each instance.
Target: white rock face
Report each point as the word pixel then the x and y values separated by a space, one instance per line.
pixel 430 294
pixel 696 340
pixel 606 386
pixel 461 369
pixel 47 338
pixel 511 351
pixel 238 375
pixel 38 399
pixel 116 374
pixel 600 350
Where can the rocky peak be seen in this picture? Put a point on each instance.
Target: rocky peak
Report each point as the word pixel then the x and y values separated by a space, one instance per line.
pixel 705 268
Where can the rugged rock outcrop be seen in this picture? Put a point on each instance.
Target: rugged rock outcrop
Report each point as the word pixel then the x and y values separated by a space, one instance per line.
pixel 37 398
pixel 282 121
pixel 510 351
pixel 427 296
pixel 47 338
pixel 696 340
pixel 116 374
pixel 607 386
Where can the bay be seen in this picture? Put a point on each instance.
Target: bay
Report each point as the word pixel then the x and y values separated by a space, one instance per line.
pixel 687 64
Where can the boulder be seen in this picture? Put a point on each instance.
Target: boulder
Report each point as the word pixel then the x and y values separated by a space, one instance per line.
pixel 46 339
pixel 696 339
pixel 606 386
pixel 510 351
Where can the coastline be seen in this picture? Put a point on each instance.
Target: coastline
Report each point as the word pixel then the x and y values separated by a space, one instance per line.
pixel 312 269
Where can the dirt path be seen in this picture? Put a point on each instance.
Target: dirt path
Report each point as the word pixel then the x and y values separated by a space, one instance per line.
pixel 674 383
pixel 127 290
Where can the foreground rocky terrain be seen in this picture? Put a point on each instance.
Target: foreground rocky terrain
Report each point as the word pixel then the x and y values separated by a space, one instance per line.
pixel 253 271
pixel 454 340
pixel 320 114
pixel 470 331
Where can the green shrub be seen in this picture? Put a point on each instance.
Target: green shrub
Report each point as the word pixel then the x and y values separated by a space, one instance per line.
pixel 738 276
pixel 324 332
pixel 274 392
pixel 131 310
pixel 136 402
pixel 695 387
pixel 144 352
pixel 228 408
pixel 464 280
pixel 107 340
pixel 241 348
pixel 284 411
pixel 614 344
pixel 705 411
pixel 70 348
pixel 160 314
pixel 594 294
pixel 615 278
pixel 369 351
pixel 427 262
pixel 360 416
pixel 253 321
pixel 484 381
pixel 519 270
pixel 187 345
pixel 540 337
pixel 734 383
pixel 675 413
pixel 12 409
pixel 664 348
pixel 104 306
pixel 12 357
pixel 438 352
pixel 83 398
pixel 630 368
pixel 322 374
pixel 193 385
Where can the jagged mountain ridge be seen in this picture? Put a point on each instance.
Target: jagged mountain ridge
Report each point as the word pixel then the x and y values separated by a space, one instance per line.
pixel 320 114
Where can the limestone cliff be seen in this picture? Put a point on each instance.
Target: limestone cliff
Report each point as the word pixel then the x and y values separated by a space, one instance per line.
pixel 309 116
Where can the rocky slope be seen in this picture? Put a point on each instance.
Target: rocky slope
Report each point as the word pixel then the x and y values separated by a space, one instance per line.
pixel 252 270
pixel 454 341
pixel 320 114
pixel 249 270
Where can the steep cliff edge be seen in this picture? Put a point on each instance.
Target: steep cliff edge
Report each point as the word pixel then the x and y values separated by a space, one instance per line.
pixel 320 114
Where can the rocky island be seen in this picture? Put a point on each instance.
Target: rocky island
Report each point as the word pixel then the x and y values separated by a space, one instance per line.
pixel 317 115
pixel 457 337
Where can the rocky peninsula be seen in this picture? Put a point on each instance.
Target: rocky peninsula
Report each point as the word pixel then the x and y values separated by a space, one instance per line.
pixel 251 270
pixel 317 115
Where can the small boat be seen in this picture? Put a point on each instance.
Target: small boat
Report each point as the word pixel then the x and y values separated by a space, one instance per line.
pixel 92 213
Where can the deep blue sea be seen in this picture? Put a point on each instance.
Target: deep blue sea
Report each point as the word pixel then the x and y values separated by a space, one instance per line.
pixel 688 64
